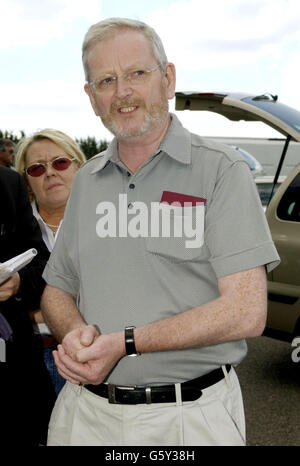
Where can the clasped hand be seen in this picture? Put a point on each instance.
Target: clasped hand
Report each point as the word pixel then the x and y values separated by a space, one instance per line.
pixel 86 356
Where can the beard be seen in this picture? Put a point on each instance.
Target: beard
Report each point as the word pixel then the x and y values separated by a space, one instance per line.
pixel 154 117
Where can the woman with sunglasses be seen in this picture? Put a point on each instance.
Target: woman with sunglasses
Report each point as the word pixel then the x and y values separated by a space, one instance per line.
pixel 48 160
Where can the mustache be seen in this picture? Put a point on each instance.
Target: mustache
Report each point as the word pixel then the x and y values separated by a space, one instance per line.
pixel 128 102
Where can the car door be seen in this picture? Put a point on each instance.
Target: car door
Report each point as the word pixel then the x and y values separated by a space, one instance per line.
pixel 283 215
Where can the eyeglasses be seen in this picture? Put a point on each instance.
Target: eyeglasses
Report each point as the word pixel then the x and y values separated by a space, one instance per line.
pixel 134 77
pixel 38 169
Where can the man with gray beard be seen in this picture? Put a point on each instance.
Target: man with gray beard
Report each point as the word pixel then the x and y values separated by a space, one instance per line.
pixel 151 326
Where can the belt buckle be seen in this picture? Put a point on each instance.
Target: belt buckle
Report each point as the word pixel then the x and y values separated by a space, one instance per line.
pixel 111 390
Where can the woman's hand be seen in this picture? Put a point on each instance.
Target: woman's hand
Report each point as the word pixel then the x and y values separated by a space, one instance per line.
pixel 10 287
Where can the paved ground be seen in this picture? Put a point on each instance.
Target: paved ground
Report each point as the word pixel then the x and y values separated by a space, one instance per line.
pixel 270 382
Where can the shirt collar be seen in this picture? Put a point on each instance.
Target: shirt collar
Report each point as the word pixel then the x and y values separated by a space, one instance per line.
pixel 110 154
pixel 35 211
pixel 176 144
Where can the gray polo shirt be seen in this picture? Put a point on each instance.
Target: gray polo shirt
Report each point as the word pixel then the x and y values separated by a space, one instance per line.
pixel 130 270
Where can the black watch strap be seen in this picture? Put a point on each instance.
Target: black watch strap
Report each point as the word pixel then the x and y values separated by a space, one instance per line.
pixel 129 342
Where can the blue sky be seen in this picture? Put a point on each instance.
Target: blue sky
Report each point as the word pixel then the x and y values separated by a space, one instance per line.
pixel 218 45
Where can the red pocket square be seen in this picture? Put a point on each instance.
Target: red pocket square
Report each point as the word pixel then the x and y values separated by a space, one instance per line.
pixel 169 197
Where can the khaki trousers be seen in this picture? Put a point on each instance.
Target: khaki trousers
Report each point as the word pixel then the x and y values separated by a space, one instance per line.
pixel 81 418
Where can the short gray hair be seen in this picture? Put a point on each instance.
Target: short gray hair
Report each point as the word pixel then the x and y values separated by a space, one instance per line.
pixel 109 27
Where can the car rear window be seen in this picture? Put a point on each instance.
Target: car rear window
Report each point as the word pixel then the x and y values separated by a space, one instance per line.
pixel 285 113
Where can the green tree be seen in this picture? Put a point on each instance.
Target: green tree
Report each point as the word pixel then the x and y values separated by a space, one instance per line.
pixel 90 146
pixel 13 137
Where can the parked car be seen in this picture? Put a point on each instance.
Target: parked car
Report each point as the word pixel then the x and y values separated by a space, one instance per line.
pixel 281 199
pixel 264 108
pixel 254 165
pixel 283 215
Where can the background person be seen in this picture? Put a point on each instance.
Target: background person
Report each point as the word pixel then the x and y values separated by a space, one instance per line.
pixel 27 395
pixel 7 148
pixel 187 311
pixel 48 161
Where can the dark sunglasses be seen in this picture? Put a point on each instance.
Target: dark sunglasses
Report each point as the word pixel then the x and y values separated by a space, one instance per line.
pixel 38 169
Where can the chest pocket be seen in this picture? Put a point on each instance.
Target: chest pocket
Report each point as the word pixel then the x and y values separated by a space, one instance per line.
pixel 181 233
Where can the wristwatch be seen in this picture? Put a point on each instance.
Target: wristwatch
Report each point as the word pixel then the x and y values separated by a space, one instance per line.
pixel 129 342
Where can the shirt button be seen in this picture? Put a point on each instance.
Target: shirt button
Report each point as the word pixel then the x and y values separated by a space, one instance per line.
pixel 132 186
pixel 128 174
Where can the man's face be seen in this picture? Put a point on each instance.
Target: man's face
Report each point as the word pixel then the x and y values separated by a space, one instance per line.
pixel 7 155
pixel 130 110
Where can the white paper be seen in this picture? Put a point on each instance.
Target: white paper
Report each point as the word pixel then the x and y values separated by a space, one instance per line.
pixel 8 268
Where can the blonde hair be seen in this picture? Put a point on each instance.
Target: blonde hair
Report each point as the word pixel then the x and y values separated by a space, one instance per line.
pixel 107 28
pixel 59 138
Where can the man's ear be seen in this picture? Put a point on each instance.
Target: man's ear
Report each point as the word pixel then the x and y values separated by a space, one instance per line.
pixel 91 97
pixel 170 76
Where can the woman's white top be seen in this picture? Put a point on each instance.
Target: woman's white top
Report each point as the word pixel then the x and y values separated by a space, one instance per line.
pixel 47 233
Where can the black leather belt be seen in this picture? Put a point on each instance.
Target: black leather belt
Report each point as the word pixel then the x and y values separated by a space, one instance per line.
pixel 190 390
